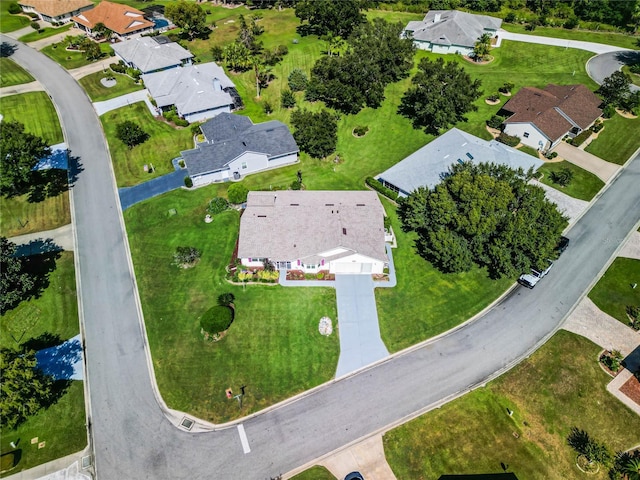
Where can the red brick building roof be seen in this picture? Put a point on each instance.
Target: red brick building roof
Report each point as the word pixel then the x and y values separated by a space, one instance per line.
pixel 118 18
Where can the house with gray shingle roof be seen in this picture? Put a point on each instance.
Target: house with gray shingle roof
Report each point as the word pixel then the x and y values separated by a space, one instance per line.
pixel 152 54
pixel 427 166
pixel 542 117
pixel 234 147
pixel 450 31
pixel 199 92
pixel 312 231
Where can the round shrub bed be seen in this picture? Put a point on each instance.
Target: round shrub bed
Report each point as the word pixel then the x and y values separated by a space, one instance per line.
pixel 215 321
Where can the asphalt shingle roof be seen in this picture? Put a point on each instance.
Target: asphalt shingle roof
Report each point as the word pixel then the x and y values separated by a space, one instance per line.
pixel 290 225
pixel 452 28
pixel 55 8
pixel 425 167
pixel 229 136
pixel 191 88
pixel 148 55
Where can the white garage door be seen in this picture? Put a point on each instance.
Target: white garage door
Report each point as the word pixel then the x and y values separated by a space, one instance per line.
pixel 352 267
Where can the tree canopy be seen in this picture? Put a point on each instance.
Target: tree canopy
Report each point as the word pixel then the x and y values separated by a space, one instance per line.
pixel 338 17
pixel 15 283
pixel 190 17
pixel 485 215
pixel 376 57
pixel 615 88
pixel 20 153
pixel 315 133
pixel 237 193
pixel 131 134
pixel 24 389
pixel 440 95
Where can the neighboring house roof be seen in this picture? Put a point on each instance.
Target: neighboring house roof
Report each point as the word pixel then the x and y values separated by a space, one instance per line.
pixel 452 27
pixel 55 8
pixel 191 88
pixel 555 109
pixel 117 17
pixel 299 224
pixel 427 166
pixel 229 136
pixel 149 54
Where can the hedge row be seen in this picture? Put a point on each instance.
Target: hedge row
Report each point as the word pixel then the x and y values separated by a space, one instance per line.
pixel 378 187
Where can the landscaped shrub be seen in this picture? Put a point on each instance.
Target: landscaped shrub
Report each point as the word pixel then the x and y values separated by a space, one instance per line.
pixel 612 360
pixel 217 319
pixel 495 121
pixel 493 98
pixel 237 193
pixel 297 80
pixel 118 67
pixel 581 138
pixel 571 23
pixel 288 99
pixel 551 155
pixel 562 177
pixel 267 107
pixel 360 130
pixel 510 140
pixel 592 451
pixel 226 299
pixel 608 111
pixel 131 134
pixel 217 205
pixel 186 257
pixel 267 275
pixel 188 182
pixel 14 8
pixel 195 129
pixel 633 312
pixel 506 88
pixel 181 122
pixel 35 26
pixel 510 17
pixel 218 53
pixel 378 187
pixel 296 185
pixel 596 127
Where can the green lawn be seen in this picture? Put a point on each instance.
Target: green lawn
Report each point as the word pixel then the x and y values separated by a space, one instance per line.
pixel 273 345
pixel 529 150
pixel 20 216
pixel 315 473
pixel 98 92
pixel 614 291
pixel 70 59
pixel 584 185
pixel 558 387
pixel 12 74
pixel 635 78
pixel 617 142
pixel 608 38
pixel 427 302
pixel 163 145
pixel 62 426
pixel 36 111
pixel 8 22
pixel 45 33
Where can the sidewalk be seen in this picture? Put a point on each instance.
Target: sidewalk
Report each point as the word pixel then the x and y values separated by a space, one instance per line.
pixel 22 88
pixel 559 42
pixel 61 236
pixel 65 468
pixel 124 100
pixel 100 66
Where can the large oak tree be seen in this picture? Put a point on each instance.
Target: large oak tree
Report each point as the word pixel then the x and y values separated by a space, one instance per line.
pixel 440 96
pixel 486 215
pixel 315 133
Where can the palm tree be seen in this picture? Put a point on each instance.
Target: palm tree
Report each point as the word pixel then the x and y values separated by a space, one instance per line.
pixel 632 469
pixel 482 47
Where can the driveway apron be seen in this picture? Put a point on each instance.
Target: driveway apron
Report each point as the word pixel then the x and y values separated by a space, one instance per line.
pixel 600 168
pixel 360 342
pixel 132 195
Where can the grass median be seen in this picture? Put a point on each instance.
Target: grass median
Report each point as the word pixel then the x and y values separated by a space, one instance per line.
pixel 558 387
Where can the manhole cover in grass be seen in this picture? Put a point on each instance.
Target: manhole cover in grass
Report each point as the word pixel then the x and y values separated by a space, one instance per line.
pixel 186 423
pixel 172 212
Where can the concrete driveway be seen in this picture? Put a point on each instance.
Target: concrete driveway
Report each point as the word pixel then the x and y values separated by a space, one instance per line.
pixel 124 100
pixel 571 207
pixel 360 342
pixel 559 42
pixel 600 168
pixel 131 195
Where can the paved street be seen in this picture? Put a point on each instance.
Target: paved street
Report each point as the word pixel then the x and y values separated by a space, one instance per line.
pixel 602 66
pixel 132 437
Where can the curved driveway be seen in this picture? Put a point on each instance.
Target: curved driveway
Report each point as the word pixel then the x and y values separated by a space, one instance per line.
pixel 132 437
pixel 601 66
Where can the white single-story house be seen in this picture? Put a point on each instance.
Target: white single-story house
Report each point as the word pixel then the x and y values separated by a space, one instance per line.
pixel 234 147
pixel 541 118
pixel 199 92
pixel 313 231
pixel 124 21
pixel 55 11
pixel 450 31
pixel 427 166
pixel 152 54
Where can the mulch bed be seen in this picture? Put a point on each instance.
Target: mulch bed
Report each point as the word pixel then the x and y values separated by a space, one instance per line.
pixel 632 389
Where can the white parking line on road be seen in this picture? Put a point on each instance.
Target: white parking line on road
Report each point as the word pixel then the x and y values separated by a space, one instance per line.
pixel 243 439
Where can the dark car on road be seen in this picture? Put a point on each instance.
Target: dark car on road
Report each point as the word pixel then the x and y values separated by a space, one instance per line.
pixel 563 243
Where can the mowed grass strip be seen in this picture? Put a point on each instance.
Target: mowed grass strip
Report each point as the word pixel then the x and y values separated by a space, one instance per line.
pixel 70 59
pixel 618 141
pixel 12 74
pixel 558 387
pixel 584 185
pixel 614 291
pixel 427 302
pixel 315 473
pixel 9 22
pixel 36 111
pixel 164 144
pixel 98 92
pixel 20 216
pixel 45 33
pixel 55 312
pixel 273 346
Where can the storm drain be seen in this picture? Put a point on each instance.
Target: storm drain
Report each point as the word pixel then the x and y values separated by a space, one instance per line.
pixel 187 423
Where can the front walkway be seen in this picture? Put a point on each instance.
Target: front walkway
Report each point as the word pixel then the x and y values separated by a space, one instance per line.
pixel 125 100
pixel 559 42
pixel 171 181
pixel 360 342
pixel 600 168
pixel 34 86
pixel 65 468
pixel 366 457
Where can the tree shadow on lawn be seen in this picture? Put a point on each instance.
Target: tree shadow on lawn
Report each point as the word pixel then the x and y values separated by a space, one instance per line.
pixel 54 181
